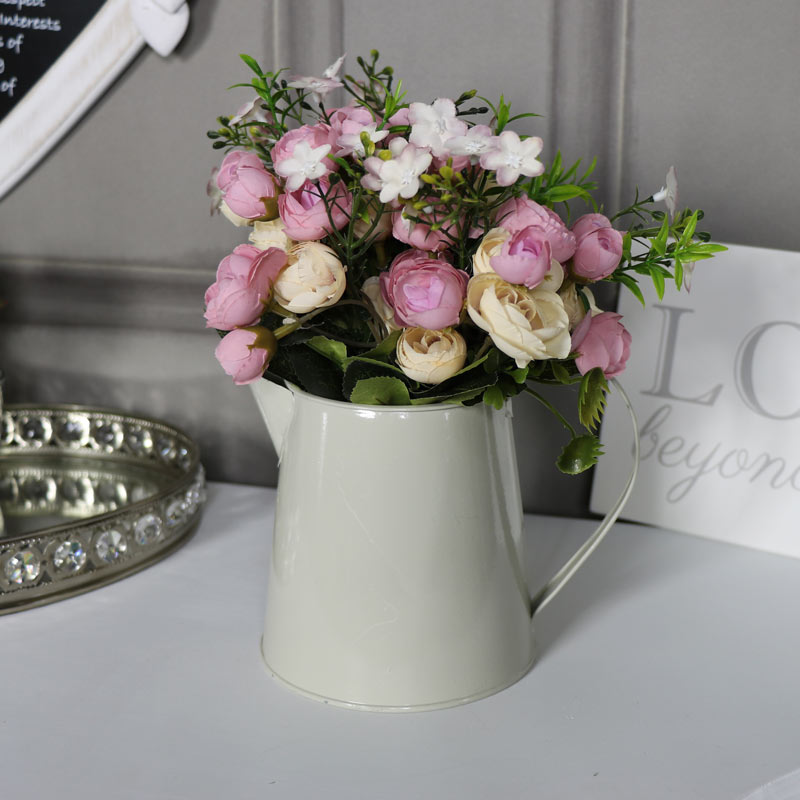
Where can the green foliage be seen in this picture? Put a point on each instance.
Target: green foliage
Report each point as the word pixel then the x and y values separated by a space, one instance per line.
pixel 380 391
pixel 344 351
pixel 580 454
pixel 592 398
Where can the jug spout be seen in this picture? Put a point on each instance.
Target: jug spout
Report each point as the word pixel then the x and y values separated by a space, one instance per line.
pixel 276 405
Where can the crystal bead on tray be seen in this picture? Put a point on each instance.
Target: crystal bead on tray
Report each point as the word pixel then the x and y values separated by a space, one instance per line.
pixel 89 496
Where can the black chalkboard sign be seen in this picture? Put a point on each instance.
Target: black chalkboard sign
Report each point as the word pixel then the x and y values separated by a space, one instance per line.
pixel 33 35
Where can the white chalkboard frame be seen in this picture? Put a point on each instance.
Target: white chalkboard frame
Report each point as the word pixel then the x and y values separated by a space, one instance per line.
pixel 90 64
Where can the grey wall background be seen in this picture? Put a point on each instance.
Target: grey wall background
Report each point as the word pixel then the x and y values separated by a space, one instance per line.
pixel 106 248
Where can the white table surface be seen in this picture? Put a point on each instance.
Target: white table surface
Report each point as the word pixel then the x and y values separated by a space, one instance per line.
pixel 668 668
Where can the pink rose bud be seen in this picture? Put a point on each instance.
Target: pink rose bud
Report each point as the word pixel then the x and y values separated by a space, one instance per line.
pixel 601 341
pixel 304 212
pixel 245 353
pixel 424 292
pixel 521 212
pixel 598 254
pixel 248 189
pixel 524 258
pixel 588 223
pixel 243 286
pixel 419 234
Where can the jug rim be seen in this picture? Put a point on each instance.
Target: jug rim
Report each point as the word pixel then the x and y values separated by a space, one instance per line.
pixel 376 409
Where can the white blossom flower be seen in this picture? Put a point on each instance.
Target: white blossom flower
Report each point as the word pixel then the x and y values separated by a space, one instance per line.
pixel 319 87
pixel 349 143
pixel 669 193
pixel 305 164
pixel 399 176
pixel 512 157
pixel 474 143
pixel 250 112
pixel 433 126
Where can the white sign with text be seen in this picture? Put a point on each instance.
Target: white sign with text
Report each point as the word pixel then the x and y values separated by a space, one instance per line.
pixel 714 379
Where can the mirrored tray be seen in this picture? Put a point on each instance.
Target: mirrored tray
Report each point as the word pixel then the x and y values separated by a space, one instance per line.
pixel 89 496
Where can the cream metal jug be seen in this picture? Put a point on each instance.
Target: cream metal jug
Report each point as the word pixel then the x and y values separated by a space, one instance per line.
pixel 396 578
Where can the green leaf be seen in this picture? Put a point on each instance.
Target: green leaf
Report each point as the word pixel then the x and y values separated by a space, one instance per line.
pixel 335 351
pixel 252 63
pixel 380 391
pixel 359 369
pixel 659 243
pixel 678 272
pixel 519 375
pixel 579 455
pixel 493 396
pixel 385 348
pixel 688 231
pixel 314 372
pixel 592 398
pixel 658 282
pixel 559 194
pixel 560 372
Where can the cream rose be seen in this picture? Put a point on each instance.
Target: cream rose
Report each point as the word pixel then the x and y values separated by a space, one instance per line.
pixel 574 305
pixel 492 244
pixel 313 278
pixel 372 289
pixel 270 234
pixel 431 356
pixel 526 324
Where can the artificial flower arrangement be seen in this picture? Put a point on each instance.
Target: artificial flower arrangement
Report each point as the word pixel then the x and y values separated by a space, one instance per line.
pixel 408 253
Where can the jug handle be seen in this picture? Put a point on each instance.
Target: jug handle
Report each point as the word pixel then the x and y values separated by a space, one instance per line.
pixel 557 582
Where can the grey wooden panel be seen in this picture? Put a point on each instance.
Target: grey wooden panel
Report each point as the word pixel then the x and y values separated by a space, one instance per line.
pixel 714 88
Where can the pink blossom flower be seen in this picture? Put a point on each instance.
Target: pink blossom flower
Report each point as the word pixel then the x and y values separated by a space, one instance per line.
pixel 511 157
pixel 598 254
pixel 301 154
pixel 588 223
pixel 347 125
pixel 319 87
pixel 245 353
pixel 601 341
pixel 419 234
pixel 424 292
pixel 524 258
pixel 399 176
pixel 432 126
pixel 243 287
pixel 304 212
pixel 400 117
pixel 522 212
pixel 245 184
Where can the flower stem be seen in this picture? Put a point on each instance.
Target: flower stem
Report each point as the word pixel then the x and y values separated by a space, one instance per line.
pixel 552 409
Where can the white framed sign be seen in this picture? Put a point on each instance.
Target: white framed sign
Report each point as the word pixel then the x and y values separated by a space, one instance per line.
pixel 714 378
pixel 58 56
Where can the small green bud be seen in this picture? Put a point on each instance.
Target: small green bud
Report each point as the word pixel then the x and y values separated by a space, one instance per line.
pixel 367 143
pixel 446 172
pixel 385 155
pixel 431 179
